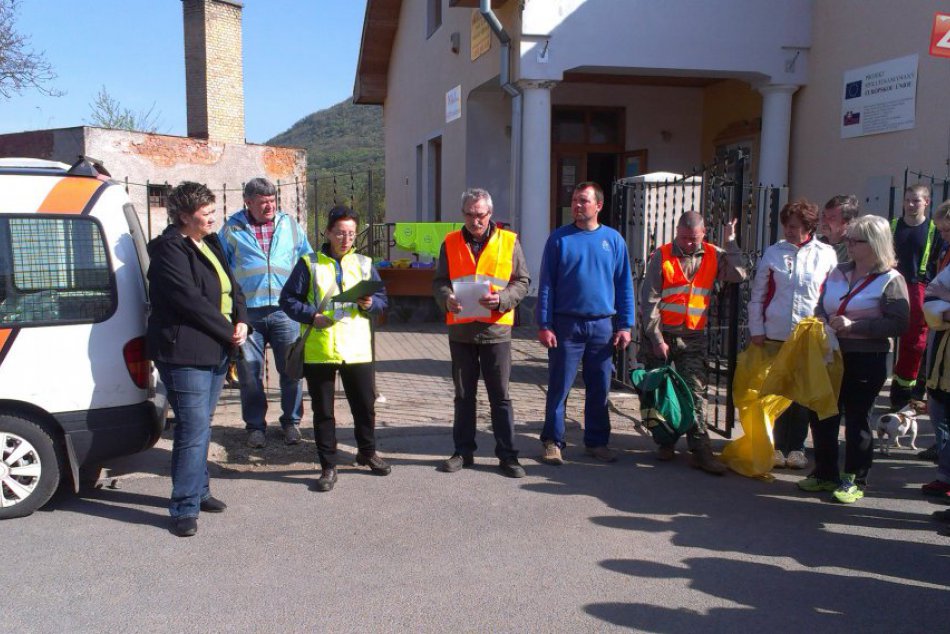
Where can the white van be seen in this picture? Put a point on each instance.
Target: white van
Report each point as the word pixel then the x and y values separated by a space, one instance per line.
pixel 75 386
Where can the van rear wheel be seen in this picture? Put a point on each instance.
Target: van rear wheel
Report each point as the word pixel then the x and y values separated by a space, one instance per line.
pixel 29 466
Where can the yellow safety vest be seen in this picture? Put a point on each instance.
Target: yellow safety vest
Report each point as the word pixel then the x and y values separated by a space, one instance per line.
pixel 349 339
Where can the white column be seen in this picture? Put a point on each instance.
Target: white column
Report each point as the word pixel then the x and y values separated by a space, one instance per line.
pixel 535 204
pixel 776 130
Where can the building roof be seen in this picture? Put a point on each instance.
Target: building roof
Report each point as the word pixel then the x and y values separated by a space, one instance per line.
pixel 379 32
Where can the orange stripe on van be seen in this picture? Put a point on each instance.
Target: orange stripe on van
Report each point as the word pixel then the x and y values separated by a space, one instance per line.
pixel 70 196
pixel 7 335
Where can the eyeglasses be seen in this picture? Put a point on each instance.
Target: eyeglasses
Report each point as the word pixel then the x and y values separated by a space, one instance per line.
pixel 855 241
pixel 339 235
pixel 476 216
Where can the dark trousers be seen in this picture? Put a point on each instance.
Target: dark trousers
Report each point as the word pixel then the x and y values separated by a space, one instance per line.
pixel 791 429
pixel 358 381
pixel 864 376
pixel 491 361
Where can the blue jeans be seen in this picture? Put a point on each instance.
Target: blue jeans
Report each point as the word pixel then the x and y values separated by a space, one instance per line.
pixel 193 394
pixel 271 326
pixel 939 411
pixel 588 340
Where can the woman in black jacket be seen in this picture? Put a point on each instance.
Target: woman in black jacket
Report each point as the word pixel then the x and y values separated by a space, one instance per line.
pixel 198 319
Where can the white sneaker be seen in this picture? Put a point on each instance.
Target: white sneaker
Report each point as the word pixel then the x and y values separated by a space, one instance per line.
pixel 778 460
pixel 796 460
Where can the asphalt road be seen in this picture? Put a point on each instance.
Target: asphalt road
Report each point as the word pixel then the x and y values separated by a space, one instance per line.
pixel 634 545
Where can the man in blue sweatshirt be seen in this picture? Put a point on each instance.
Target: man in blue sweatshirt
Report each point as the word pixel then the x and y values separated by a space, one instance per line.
pixel 585 311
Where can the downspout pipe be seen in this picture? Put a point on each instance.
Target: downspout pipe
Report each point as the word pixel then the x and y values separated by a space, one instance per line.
pixel 516 106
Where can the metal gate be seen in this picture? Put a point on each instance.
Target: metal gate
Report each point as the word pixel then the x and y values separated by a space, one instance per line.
pixel 647 209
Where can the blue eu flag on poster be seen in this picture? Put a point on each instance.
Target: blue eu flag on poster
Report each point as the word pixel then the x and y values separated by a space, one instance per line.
pixel 852 90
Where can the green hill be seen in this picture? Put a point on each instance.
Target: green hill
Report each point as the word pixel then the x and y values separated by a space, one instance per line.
pixel 343 138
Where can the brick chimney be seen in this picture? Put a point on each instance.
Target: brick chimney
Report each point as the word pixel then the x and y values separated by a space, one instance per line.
pixel 214 74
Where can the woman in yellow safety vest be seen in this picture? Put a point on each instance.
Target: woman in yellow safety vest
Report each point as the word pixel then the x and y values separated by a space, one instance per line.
pixel 338 339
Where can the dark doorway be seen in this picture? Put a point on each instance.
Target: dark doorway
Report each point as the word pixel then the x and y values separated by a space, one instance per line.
pixel 602 169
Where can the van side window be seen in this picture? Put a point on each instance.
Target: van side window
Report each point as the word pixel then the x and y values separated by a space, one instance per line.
pixel 54 270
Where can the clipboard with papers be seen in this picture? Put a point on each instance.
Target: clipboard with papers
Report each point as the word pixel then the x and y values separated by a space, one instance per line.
pixel 468 294
pixel 362 289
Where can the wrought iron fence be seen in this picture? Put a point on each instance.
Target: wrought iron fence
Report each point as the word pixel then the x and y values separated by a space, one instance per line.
pixel 647 211
pixel 308 201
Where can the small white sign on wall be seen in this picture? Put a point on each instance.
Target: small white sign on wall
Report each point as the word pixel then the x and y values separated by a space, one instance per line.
pixel 453 104
pixel 879 98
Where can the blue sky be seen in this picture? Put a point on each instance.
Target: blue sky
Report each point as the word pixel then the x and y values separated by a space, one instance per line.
pixel 299 57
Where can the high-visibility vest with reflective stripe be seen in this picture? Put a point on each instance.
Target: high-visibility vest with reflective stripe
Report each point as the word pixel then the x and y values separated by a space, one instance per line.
pixel 349 339
pixel 684 301
pixel 494 265
pixel 925 256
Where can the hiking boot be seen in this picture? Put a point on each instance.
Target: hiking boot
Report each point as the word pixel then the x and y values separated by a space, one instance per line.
pixel 929 454
pixel 552 453
pixel 326 480
pixel 704 459
pixel 778 460
pixel 937 489
pixel 816 485
pixel 256 439
pixel 602 453
pixel 847 492
pixel 456 462
pixel 511 468
pixel 796 460
pixel 376 464
pixel 665 453
pixel 291 434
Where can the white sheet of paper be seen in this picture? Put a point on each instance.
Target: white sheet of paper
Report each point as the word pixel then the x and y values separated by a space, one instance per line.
pixel 468 294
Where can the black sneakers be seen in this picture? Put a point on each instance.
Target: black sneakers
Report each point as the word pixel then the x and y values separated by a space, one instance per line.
pixel 456 462
pixel 185 526
pixel 376 464
pixel 511 468
pixel 213 505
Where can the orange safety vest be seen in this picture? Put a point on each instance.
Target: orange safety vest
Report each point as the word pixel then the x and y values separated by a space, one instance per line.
pixel 685 301
pixel 494 265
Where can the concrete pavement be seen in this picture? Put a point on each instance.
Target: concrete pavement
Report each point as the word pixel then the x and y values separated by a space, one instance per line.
pixel 636 545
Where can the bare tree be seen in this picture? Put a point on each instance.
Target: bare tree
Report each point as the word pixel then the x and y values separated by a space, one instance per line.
pixel 20 67
pixel 107 112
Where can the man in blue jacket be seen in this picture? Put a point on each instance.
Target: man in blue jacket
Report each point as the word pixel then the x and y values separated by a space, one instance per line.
pixel 262 245
pixel 585 311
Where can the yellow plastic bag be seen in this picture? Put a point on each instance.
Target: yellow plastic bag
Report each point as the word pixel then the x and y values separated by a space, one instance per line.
pixel 751 454
pixel 768 378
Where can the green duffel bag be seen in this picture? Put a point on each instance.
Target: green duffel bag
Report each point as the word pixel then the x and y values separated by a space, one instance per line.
pixel 666 404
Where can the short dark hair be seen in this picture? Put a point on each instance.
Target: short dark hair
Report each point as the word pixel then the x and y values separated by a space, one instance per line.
pixel 806 212
pixel 850 209
pixel 341 212
pixel 598 190
pixel 187 198
pixel 259 187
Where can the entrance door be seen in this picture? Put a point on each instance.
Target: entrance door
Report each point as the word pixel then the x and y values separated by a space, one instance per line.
pixel 587 145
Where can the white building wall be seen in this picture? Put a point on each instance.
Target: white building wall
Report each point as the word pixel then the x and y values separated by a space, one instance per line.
pixel 421 71
pixel 822 163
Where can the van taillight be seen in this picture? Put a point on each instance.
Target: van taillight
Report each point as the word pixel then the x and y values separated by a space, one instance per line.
pixel 138 366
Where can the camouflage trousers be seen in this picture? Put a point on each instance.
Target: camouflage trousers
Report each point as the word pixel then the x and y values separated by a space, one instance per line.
pixel 688 358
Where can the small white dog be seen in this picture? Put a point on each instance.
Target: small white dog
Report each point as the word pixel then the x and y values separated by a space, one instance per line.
pixel 893 425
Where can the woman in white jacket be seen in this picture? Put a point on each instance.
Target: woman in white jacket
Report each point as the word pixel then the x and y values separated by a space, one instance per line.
pixel 786 288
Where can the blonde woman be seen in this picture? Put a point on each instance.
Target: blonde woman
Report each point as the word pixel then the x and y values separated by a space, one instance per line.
pixel 865 303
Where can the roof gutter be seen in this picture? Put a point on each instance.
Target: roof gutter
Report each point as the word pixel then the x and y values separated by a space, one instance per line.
pixel 514 92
